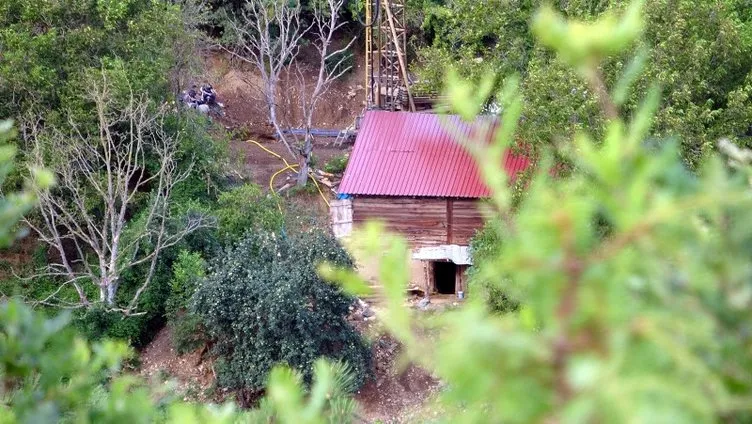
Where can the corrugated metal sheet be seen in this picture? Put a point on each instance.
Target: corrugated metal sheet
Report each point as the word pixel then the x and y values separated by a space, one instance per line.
pixel 413 154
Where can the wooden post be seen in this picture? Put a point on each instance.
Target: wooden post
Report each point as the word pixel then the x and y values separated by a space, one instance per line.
pixel 459 282
pixel 427 268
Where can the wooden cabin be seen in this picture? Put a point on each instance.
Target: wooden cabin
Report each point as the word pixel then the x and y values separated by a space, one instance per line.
pixel 409 171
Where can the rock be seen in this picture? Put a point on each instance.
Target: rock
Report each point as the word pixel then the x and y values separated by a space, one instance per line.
pixel 423 303
pixel 368 312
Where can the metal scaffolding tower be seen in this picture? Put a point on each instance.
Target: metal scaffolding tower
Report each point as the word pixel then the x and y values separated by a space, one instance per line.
pixel 387 85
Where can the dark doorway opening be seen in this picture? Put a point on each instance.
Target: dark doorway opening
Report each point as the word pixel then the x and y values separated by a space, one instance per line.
pixel 444 274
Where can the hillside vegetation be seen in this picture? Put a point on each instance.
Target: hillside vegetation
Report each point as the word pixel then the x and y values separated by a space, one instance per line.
pixel 615 289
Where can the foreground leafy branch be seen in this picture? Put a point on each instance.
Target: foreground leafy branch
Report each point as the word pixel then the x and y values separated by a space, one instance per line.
pixel 632 273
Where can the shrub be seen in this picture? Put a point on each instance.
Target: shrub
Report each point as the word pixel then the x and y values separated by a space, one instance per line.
pixel 187 271
pixel 244 208
pixel 187 332
pixel 337 164
pixel 97 322
pixel 265 304
pixel 485 246
pixel 51 375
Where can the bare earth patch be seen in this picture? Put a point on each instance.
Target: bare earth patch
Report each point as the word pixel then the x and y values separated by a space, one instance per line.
pixel 193 374
pixel 394 395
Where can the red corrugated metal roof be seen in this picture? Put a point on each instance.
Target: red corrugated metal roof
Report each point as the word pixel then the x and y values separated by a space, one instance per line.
pixel 412 154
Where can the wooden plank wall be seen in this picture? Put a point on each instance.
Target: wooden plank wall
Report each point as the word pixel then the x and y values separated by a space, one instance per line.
pixel 466 219
pixel 423 221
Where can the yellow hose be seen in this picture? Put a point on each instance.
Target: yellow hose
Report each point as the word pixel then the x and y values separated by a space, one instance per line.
pixel 271 180
pixel 287 166
pixel 316 183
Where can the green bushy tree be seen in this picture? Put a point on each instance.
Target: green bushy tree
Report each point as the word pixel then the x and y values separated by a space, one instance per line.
pixel 699 52
pixel 633 273
pixel 264 305
pixel 48 374
pixel 49 47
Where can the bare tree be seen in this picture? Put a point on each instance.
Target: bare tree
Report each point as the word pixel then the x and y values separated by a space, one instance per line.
pixel 330 67
pixel 101 173
pixel 268 37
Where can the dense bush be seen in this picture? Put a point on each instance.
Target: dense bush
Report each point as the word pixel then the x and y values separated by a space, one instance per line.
pixel 98 323
pixel 49 47
pixel 187 272
pixel 264 304
pixel 246 208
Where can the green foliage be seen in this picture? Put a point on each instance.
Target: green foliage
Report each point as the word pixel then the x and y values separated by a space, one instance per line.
pixel 187 331
pixel 50 47
pixel 329 397
pixel 203 146
pixel 97 323
pixel 246 208
pixel 48 374
pixel 629 313
pixel 699 53
pixel 337 164
pixel 187 271
pixel 485 246
pixel 265 305
pixel 14 205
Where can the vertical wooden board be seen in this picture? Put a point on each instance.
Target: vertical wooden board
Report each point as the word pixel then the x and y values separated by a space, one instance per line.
pixel 428 273
pixel 341 217
pixel 466 220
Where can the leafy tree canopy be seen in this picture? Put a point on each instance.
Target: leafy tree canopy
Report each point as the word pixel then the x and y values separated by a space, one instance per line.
pixel 699 53
pixel 49 47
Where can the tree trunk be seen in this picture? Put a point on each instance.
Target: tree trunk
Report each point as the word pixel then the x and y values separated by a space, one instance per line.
pixel 304 161
pixel 111 291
